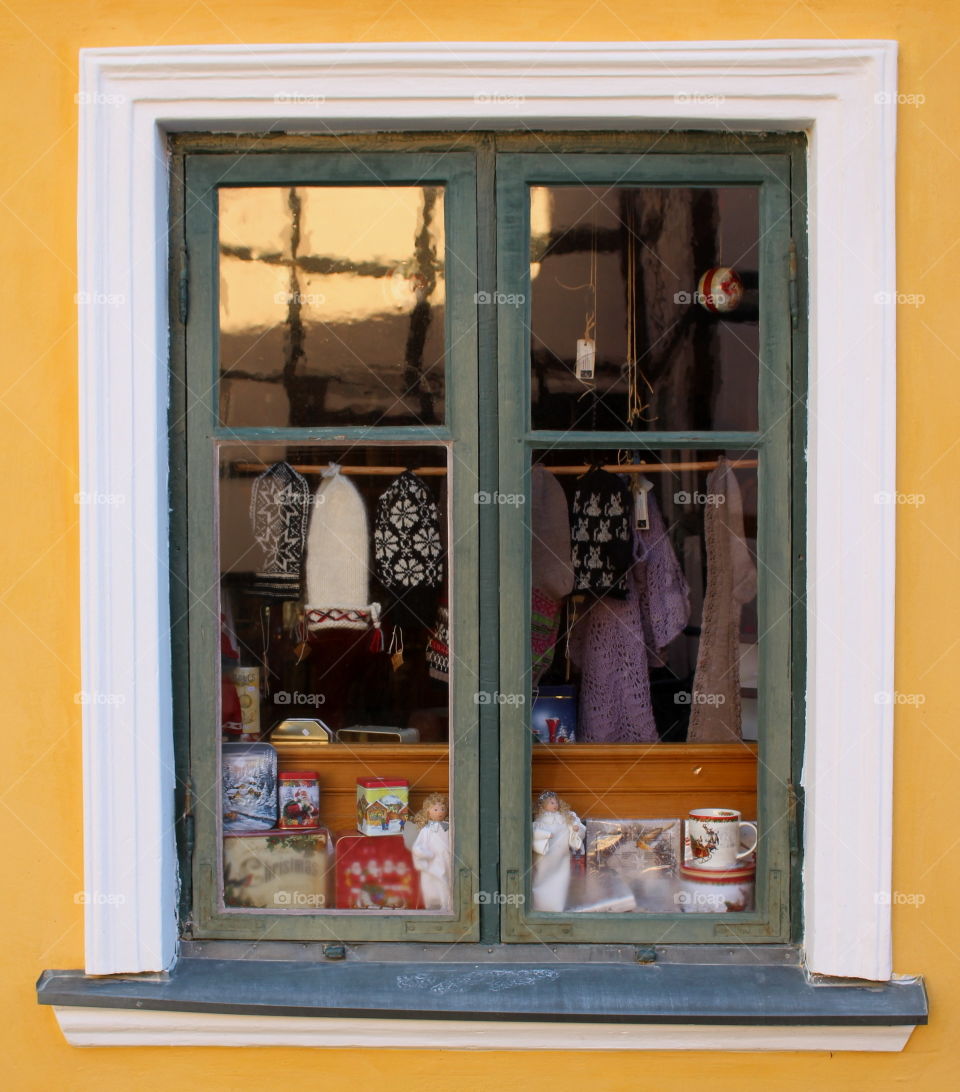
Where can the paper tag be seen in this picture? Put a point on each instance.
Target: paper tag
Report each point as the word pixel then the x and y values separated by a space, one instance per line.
pixel 586 357
pixel 396 661
pixel 641 506
pixel 641 510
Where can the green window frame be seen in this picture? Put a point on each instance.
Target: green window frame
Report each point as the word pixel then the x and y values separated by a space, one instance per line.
pixel 486 179
pixel 516 173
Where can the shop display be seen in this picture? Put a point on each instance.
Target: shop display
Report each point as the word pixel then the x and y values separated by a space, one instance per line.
pixel 602 551
pixel 298 800
pixel 613 640
pixel 431 853
pixel 716 890
pixel 375 874
pixel 406 537
pixel 279 507
pixel 247 682
pixel 715 714
pixel 278 870
pixel 716 838
pixel 438 647
pixel 600 892
pixel 382 805
pixel 231 714
pixel 249 785
pixel 377 733
pixel 338 552
pixel 310 732
pixel 557 832
pixel 643 853
pixel 554 715
pixel 551 564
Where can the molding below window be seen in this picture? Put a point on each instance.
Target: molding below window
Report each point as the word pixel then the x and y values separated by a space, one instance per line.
pixel 840 92
pixel 122 1027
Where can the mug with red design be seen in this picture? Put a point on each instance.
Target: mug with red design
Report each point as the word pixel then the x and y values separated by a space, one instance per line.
pixel 716 835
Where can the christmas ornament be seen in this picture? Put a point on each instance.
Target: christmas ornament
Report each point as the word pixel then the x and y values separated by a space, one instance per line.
pixel 720 290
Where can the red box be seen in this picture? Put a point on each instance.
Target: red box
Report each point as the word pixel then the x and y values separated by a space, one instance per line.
pixel 376 874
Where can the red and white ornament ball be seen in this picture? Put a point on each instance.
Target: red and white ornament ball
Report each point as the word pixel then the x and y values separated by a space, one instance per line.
pixel 720 290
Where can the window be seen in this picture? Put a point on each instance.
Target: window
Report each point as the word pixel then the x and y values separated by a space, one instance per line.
pixel 832 91
pixel 368 463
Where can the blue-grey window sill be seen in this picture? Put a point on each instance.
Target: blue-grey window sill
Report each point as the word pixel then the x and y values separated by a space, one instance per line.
pixel 583 993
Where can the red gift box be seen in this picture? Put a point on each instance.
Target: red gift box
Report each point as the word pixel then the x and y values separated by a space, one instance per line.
pixel 376 874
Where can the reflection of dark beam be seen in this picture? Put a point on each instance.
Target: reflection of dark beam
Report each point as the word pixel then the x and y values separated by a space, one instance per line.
pixel 314 264
pixel 421 315
pixel 293 349
pixel 575 240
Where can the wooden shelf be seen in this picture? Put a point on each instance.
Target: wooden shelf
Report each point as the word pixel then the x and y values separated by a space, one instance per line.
pixel 598 780
pixel 648 780
pixel 338 765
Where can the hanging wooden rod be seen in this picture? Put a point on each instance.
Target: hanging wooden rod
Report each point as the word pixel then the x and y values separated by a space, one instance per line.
pixel 651 468
pixel 437 471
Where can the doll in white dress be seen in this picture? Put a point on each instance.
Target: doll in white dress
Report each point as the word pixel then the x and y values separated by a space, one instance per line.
pixel 556 832
pixel 431 853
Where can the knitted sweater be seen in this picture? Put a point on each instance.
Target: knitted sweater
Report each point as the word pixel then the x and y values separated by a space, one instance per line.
pixel 715 716
pixel 612 643
pixel 551 564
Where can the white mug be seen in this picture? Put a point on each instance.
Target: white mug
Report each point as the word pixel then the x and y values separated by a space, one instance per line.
pixel 715 835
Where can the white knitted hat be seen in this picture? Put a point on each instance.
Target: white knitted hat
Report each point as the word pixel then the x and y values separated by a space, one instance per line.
pixel 338 558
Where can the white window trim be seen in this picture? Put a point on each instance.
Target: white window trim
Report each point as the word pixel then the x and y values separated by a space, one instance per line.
pixel 94 1027
pixel 840 92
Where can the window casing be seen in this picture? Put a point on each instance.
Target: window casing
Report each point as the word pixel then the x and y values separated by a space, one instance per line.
pixel 486 432
pixel 835 87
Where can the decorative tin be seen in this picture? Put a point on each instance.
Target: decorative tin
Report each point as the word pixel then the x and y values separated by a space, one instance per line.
pixel 554 715
pixel 302 731
pixel 298 795
pixel 249 786
pixel 247 682
pixel 278 870
pixel 715 890
pixel 375 874
pixel 382 805
pixel 375 733
pixel 644 853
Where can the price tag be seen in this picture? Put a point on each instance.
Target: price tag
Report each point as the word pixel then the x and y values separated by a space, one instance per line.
pixel 586 358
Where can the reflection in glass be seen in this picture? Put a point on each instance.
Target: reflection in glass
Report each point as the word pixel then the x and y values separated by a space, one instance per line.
pixel 334 677
pixel 331 305
pixel 644 667
pixel 617 270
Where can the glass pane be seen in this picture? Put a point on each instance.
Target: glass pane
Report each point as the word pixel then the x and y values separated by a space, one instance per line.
pixel 334 677
pixel 644 653
pixel 644 307
pixel 331 305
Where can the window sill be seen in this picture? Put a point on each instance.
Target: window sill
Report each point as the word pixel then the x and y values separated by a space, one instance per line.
pixel 523 1006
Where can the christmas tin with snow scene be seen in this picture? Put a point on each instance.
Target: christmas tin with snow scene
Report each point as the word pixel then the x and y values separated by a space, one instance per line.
pixel 249 786
pixel 382 805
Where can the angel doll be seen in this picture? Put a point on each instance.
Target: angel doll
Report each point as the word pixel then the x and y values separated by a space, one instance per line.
pixel 431 853
pixel 556 832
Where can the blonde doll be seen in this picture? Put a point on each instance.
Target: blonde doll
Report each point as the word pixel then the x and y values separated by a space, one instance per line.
pixel 556 831
pixel 431 852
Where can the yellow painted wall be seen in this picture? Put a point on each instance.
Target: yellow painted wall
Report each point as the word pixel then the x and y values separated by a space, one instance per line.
pixel 40 749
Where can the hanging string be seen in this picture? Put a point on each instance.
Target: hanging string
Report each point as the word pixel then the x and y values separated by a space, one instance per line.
pixel 265 654
pixel 635 402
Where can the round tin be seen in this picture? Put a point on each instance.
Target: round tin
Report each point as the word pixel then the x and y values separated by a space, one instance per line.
pixel 716 890
pixel 299 800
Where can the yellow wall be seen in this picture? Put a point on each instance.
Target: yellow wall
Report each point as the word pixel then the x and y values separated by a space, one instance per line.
pixel 40 749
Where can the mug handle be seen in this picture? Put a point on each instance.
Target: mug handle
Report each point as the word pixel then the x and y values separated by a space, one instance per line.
pixel 747 852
